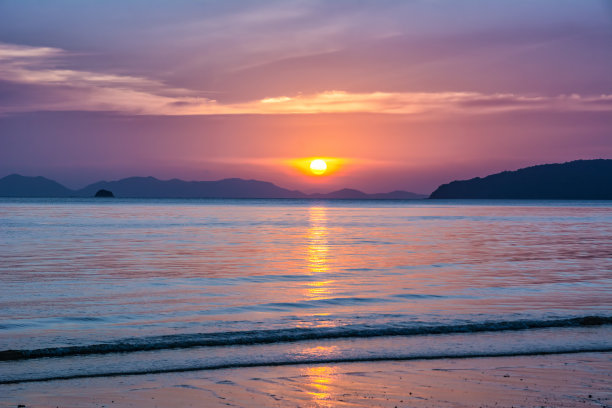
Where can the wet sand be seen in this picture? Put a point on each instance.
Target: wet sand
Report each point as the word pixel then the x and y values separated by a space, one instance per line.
pixel 566 380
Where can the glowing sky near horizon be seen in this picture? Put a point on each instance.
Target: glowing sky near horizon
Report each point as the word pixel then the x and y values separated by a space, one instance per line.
pixel 401 94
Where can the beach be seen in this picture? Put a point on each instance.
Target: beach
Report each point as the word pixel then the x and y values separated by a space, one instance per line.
pixel 565 380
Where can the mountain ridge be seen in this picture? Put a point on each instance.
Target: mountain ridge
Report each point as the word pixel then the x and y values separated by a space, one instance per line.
pixel 574 180
pixel 16 185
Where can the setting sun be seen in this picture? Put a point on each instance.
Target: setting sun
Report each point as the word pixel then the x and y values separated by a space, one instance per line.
pixel 318 166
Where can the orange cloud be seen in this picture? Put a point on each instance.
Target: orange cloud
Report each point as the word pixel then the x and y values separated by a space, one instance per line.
pixel 98 91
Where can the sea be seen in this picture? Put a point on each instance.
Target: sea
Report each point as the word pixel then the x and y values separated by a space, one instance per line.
pixel 115 287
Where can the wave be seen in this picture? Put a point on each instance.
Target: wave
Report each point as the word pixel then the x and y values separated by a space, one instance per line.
pixel 278 363
pixel 220 339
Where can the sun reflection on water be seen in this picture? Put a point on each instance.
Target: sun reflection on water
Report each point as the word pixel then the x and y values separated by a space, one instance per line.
pixel 318 246
pixel 320 384
pixel 319 290
pixel 317 252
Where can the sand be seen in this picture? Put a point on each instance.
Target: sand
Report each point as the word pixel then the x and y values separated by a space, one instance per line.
pixel 566 380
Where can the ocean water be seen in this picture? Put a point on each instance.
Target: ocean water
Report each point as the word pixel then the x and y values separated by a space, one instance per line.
pixel 96 287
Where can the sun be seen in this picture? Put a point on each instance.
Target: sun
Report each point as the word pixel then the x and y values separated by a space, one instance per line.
pixel 318 166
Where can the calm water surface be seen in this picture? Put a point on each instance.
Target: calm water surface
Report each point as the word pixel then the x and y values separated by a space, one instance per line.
pixel 91 287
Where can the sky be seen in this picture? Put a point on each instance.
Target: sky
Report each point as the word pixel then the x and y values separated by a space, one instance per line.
pixel 396 95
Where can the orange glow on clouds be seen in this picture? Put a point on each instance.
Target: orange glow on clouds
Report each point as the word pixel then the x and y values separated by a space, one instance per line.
pixel 37 66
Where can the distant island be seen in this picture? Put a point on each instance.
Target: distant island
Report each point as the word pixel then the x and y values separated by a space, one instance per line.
pixel 576 180
pixel 102 193
pixel 16 185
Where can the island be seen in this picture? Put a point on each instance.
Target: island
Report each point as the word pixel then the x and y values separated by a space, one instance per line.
pixel 575 180
pixel 104 193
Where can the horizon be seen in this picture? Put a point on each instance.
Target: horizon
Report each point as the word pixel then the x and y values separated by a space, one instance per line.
pixel 103 180
pixel 396 95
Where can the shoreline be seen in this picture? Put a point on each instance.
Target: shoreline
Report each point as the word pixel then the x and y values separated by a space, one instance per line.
pixel 559 380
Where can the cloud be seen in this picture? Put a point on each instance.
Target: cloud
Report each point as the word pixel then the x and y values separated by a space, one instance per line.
pixel 422 103
pixel 72 89
pixel 9 52
pixel 85 90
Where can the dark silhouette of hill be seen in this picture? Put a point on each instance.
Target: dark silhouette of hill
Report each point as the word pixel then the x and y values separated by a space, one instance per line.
pixel 16 185
pixel 104 194
pixel 150 187
pixel 576 180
